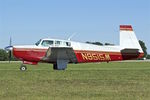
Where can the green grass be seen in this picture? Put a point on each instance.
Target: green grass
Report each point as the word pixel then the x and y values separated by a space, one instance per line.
pixel 112 81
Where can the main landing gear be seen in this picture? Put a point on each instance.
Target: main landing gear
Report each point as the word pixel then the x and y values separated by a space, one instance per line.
pixel 60 65
pixel 23 67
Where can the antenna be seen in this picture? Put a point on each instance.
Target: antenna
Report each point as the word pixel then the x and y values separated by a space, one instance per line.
pixel 70 37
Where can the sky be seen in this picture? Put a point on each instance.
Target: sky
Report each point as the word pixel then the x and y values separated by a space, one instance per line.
pixel 27 21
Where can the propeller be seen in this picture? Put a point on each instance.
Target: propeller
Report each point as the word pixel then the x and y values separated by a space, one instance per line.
pixel 10 54
pixel 9 49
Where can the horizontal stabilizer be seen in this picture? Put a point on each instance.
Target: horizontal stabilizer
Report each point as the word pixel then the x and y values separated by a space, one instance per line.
pixel 136 51
pixel 128 54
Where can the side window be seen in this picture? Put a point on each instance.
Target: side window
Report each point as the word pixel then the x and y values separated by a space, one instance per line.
pixel 64 43
pixel 68 44
pixel 57 43
pixel 47 43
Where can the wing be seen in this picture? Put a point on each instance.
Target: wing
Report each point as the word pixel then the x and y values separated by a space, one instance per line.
pixel 54 54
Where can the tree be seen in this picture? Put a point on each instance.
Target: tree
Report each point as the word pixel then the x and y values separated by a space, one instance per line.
pixel 143 46
pixel 109 44
pixel 148 57
pixel 3 55
pixel 95 43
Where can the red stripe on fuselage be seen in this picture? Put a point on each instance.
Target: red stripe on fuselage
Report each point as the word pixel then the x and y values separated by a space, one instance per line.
pixel 101 56
pixel 97 56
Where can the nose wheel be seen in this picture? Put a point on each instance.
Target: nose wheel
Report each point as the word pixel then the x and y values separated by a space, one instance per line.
pixel 23 68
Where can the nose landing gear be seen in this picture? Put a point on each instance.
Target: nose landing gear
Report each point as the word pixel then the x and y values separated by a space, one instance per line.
pixel 23 68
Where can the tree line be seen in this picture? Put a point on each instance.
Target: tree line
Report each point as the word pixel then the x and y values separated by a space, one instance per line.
pixel 4 55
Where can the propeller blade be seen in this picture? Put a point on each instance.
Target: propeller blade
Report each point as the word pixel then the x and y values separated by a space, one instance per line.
pixel 9 56
pixel 10 42
pixel 9 49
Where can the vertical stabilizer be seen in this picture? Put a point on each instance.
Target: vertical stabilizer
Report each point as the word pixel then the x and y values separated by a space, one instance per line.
pixel 128 38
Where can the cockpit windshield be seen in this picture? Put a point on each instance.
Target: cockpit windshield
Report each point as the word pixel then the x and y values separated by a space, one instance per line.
pixel 37 43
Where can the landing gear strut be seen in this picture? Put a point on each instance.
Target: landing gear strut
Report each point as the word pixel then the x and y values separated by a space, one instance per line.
pixel 23 68
pixel 55 66
pixel 60 64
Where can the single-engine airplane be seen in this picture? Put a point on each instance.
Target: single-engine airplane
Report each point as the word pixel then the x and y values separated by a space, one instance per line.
pixel 61 52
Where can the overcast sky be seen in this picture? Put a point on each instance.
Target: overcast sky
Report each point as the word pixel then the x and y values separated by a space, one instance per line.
pixel 26 21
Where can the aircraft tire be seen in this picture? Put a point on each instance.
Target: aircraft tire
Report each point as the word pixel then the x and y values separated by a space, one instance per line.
pixel 55 67
pixel 23 68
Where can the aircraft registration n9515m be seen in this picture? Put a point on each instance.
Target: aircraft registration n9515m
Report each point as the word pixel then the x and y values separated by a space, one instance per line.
pixel 61 52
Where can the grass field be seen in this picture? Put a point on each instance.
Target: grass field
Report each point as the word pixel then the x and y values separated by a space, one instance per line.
pixel 112 81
